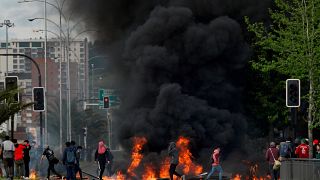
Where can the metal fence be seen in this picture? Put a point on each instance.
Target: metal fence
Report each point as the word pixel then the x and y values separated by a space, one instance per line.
pixel 300 169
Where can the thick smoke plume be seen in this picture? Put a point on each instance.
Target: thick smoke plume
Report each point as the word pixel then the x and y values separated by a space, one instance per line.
pixel 181 65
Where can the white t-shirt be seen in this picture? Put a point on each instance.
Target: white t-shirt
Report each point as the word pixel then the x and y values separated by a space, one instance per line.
pixel 8 145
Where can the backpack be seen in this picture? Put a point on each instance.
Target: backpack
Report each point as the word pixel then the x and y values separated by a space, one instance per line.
pixel 71 157
pixel 285 150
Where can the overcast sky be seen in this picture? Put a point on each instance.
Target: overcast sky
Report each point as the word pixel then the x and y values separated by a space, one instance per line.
pixel 18 13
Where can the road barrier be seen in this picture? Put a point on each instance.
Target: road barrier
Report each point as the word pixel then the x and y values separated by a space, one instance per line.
pixel 300 169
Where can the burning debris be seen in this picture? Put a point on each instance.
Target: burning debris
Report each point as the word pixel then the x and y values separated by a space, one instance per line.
pixel 180 67
pixel 136 156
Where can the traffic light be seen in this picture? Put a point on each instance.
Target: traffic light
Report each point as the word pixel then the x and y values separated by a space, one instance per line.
pixel 293 93
pixel 38 98
pixel 106 102
pixel 11 82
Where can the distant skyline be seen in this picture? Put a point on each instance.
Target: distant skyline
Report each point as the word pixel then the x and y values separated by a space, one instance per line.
pixel 19 13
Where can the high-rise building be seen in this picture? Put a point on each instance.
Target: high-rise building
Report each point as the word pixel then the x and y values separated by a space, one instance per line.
pixel 77 54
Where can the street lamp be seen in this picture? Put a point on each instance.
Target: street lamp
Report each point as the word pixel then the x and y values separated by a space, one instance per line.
pixel 8 24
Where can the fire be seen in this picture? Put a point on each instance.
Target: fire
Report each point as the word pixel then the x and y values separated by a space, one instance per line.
pixel 33 174
pixel 237 177
pixel 136 155
pixel 118 176
pixel 164 169
pixel 185 157
pixel 149 173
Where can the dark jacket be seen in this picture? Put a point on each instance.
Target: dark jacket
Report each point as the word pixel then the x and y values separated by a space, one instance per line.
pixel 26 152
pixel 103 158
pixel 174 156
pixel 64 160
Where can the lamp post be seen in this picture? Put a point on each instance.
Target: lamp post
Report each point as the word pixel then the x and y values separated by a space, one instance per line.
pixel 8 24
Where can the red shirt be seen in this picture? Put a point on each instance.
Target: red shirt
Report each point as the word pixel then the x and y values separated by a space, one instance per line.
pixel 272 154
pixel 216 157
pixel 18 153
pixel 302 151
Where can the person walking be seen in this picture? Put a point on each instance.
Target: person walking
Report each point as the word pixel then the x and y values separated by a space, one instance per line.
pixel 7 152
pixel 272 155
pixel 49 154
pixel 109 162
pixel 69 159
pixel 78 156
pixel 173 152
pixel 26 158
pixel 216 163
pixel 18 158
pixel 101 157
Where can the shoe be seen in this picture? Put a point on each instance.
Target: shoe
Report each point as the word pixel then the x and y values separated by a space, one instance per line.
pixel 183 177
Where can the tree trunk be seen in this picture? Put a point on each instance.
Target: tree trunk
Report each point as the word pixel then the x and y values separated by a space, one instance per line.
pixel 311 106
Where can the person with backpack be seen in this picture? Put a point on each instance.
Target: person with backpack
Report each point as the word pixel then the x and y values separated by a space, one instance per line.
pixel 302 151
pixel 52 160
pixel 272 155
pixel 216 163
pixel 285 150
pixel 101 157
pixel 69 159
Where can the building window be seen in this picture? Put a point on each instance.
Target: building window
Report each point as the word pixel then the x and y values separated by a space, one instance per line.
pixel 21 66
pixel 21 50
pixel 14 50
pixel 15 66
pixel 34 55
pixel 81 49
pixel 34 50
pixel 58 49
pixel 81 44
pixel 15 61
pixel 36 44
pixel 21 61
pixel 24 44
pixel 81 55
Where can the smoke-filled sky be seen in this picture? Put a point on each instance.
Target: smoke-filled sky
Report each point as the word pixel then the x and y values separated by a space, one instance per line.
pixel 181 64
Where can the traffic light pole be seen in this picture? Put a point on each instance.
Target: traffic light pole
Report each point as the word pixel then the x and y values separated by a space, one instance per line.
pixel 39 77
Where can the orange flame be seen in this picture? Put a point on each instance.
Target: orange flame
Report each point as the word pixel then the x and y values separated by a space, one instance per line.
pixel 164 169
pixel 136 155
pixel 149 173
pixel 185 157
pixel 118 176
pixel 240 177
pixel 33 174
pixel 237 177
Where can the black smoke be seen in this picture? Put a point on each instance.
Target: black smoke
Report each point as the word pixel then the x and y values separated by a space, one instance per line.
pixel 181 64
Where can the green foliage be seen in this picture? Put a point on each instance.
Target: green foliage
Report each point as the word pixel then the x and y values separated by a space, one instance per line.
pixel 8 107
pixel 290 46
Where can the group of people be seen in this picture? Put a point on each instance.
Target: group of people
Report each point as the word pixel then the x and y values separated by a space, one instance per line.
pixel 71 160
pixel 284 150
pixel 16 154
pixel 174 153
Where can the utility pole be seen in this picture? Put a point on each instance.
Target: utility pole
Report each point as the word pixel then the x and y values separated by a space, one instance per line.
pixel 8 24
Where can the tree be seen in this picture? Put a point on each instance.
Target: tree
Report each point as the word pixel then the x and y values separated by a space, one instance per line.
pixel 8 107
pixel 290 46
